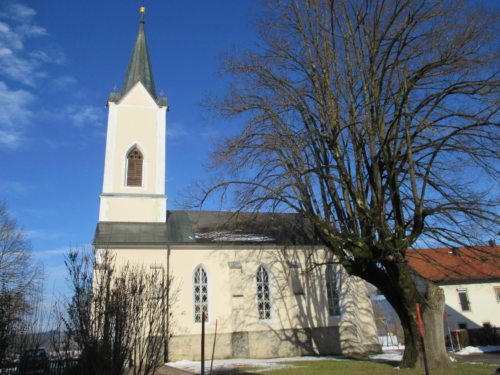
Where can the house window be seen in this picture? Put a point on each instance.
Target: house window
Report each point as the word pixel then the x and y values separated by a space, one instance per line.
pixel 200 294
pixel 333 291
pixel 263 294
pixel 134 167
pixel 462 325
pixel 497 292
pixel 464 299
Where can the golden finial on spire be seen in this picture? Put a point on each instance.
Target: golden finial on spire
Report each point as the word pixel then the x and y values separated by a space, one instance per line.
pixel 142 10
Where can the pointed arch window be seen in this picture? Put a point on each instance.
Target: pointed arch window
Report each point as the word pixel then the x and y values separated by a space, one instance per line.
pixel 200 294
pixel 333 290
pixel 263 294
pixel 134 167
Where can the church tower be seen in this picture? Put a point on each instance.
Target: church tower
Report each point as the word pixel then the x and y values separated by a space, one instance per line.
pixel 134 169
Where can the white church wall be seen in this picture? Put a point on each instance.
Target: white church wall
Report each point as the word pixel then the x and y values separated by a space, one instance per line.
pixel 300 323
pixel 129 208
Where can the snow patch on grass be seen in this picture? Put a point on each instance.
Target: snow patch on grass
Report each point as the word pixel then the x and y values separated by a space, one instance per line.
pixel 260 364
pixel 388 355
pixel 478 349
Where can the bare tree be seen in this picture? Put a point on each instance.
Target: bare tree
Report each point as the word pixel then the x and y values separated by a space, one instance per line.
pixel 377 120
pixel 20 287
pixel 117 315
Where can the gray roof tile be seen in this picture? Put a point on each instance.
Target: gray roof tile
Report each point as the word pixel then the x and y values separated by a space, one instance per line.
pixel 209 227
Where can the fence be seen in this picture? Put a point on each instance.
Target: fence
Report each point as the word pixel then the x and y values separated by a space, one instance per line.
pixel 475 337
pixel 484 336
pixel 56 367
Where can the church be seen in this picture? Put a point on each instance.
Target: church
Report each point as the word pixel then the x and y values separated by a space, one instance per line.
pixel 260 278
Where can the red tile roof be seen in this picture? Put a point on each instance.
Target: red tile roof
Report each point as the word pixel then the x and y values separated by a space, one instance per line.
pixel 462 264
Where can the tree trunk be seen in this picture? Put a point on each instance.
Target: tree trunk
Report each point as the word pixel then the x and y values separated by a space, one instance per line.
pixel 399 286
pixel 404 300
pixel 432 316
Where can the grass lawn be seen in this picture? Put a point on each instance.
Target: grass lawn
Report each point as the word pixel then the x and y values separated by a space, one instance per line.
pixel 367 368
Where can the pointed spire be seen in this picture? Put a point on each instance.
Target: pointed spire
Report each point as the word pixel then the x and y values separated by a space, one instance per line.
pixel 139 68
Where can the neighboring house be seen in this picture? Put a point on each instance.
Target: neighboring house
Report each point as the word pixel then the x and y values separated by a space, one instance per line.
pixel 470 279
pixel 256 275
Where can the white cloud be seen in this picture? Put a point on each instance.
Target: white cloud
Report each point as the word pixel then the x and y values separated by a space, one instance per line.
pixel 63 82
pixel 31 31
pixel 16 63
pixel 9 38
pixel 12 187
pixel 42 235
pixel 18 68
pixel 50 56
pixel 176 130
pixel 79 115
pixel 61 250
pixel 19 12
pixel 10 138
pixel 15 106
pixel 85 115
pixel 15 114
pixel 20 64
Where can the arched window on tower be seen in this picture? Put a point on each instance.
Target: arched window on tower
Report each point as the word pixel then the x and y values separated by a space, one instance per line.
pixel 333 290
pixel 263 294
pixel 134 167
pixel 200 294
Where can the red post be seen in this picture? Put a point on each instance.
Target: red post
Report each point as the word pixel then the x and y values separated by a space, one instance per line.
pixel 422 335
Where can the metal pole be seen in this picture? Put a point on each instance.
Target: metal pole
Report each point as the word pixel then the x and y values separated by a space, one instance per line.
pixel 213 348
pixel 421 329
pixel 203 343
pixel 449 331
pixel 458 338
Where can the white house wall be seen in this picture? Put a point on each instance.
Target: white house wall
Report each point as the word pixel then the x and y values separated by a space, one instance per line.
pixel 484 306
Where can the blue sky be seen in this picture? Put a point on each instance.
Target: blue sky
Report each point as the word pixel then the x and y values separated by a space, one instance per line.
pixel 59 60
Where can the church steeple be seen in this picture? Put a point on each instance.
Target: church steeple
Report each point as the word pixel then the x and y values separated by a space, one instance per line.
pixel 139 68
pixel 134 166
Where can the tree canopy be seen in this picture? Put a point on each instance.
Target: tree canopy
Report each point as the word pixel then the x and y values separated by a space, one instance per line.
pixel 375 119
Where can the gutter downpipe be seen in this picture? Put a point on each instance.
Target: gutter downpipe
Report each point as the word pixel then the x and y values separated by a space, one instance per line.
pixel 167 326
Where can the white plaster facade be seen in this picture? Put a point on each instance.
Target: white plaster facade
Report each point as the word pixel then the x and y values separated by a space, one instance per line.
pixel 135 121
pixel 484 303
pixel 300 323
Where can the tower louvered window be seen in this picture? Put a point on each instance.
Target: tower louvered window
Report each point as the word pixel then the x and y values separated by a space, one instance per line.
pixel 333 291
pixel 200 294
pixel 263 294
pixel 134 167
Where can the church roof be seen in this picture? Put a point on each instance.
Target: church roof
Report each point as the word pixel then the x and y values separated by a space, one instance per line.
pixel 208 227
pixel 139 68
